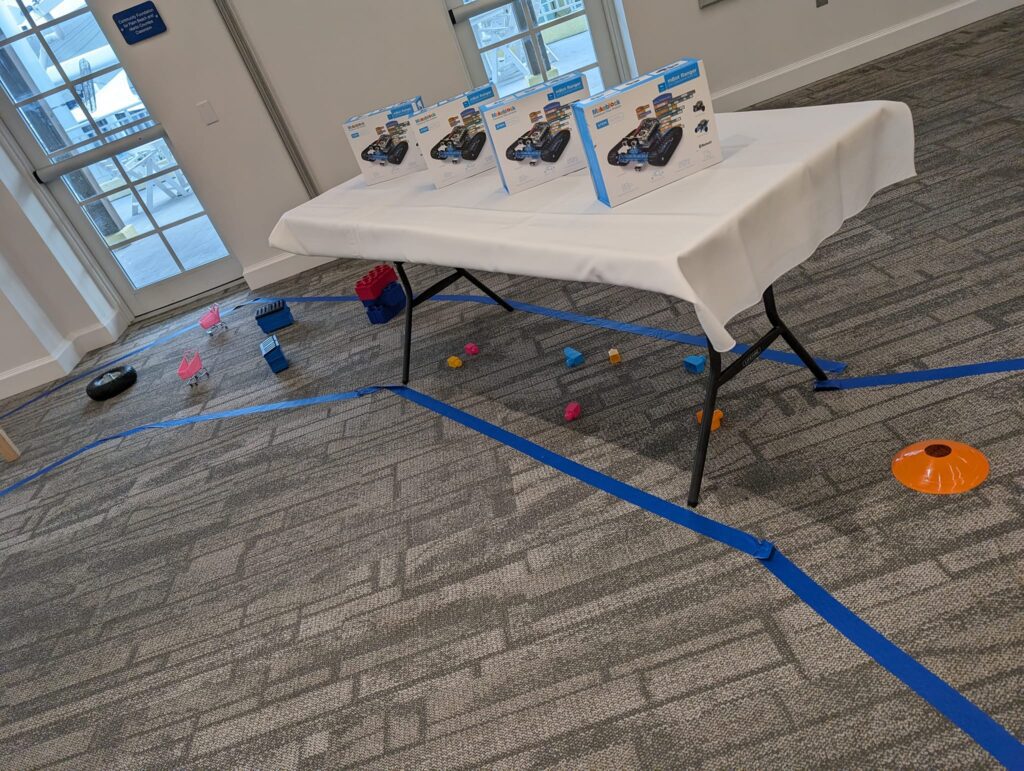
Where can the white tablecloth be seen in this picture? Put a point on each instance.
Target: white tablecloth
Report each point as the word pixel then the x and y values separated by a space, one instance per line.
pixel 717 239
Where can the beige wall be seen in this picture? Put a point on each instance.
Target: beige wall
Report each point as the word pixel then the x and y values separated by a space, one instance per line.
pixel 755 49
pixel 328 60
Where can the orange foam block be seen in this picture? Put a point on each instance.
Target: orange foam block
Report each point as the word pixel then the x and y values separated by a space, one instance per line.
pixel 454 362
pixel 614 356
pixel 716 418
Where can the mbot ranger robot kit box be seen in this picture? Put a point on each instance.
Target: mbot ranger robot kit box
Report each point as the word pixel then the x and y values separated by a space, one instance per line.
pixel 382 142
pixel 649 131
pixel 533 133
pixel 452 137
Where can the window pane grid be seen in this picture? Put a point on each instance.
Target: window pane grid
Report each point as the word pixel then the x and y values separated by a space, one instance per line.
pixel 138 201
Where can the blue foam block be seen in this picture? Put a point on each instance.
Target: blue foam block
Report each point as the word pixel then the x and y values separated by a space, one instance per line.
pixel 271 350
pixel 694 364
pixel 572 357
pixel 274 316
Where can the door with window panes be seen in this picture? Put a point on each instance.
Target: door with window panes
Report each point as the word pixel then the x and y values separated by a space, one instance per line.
pixel 515 44
pixel 75 114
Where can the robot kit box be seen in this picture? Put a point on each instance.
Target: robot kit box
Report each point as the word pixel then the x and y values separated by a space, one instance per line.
pixel 650 131
pixel 533 133
pixel 452 137
pixel 382 142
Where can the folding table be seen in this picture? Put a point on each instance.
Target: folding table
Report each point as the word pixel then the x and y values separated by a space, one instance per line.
pixel 717 239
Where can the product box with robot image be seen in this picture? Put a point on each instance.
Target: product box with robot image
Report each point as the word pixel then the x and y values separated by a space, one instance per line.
pixel 650 131
pixel 533 133
pixel 452 137
pixel 382 142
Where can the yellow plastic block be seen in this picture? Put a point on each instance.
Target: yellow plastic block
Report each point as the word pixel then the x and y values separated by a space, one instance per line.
pixel 716 418
pixel 454 362
pixel 614 356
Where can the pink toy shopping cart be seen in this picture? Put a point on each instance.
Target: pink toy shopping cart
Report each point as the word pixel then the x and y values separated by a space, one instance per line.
pixel 191 369
pixel 210 321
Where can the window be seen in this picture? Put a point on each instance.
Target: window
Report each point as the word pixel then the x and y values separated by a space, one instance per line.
pixel 519 43
pixel 60 76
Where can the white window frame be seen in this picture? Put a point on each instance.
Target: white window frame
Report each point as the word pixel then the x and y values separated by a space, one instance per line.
pixel 602 19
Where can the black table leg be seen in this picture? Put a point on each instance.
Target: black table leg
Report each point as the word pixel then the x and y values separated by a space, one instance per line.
pixel 717 377
pixel 412 300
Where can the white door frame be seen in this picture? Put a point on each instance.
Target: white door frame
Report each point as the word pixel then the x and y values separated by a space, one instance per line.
pixel 68 210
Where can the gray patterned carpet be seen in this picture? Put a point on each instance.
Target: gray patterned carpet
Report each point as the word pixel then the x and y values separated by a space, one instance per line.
pixel 367 583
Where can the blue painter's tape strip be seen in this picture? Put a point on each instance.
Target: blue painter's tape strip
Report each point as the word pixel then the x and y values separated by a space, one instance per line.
pixel 956 707
pixel 175 422
pixel 959 710
pixel 923 375
pixel 638 329
pixel 989 734
pixel 730 536
pixel 108 364
pixel 619 326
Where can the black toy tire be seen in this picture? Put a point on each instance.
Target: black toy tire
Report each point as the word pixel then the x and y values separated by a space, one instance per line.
pixel 613 154
pixel 365 154
pixel 433 150
pixel 667 145
pixel 100 391
pixel 471 150
pixel 397 154
pixel 555 146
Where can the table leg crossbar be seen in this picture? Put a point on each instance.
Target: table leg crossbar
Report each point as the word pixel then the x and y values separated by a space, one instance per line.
pixel 412 300
pixel 717 377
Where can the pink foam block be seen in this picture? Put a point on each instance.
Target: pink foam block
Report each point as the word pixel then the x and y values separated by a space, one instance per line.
pixel 572 411
pixel 472 349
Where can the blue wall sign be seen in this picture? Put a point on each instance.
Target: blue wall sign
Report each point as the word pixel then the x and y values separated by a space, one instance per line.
pixel 139 22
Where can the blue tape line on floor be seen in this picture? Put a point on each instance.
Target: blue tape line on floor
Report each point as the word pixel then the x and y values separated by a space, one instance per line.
pixel 108 364
pixel 989 734
pixel 638 329
pixel 635 329
pixel 956 707
pixel 923 375
pixel 191 419
pixel 959 710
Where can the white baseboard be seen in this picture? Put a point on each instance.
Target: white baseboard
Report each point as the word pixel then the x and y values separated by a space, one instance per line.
pixel 945 19
pixel 64 357
pixel 281 266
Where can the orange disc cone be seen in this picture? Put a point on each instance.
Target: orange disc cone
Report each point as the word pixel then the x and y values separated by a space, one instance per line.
pixel 940 467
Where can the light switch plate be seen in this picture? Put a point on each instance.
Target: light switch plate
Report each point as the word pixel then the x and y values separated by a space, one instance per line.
pixel 207 113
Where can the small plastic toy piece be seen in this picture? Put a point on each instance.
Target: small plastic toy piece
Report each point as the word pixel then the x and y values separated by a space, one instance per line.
pixel 572 357
pixel 210 321
pixel 716 418
pixel 274 316
pixel 372 284
pixel 111 383
pixel 614 356
pixel 694 364
pixel 271 350
pixel 381 294
pixel 191 369
pixel 572 411
pixel 454 362
pixel 472 349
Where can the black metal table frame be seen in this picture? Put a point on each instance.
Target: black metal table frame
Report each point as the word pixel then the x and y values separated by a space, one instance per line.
pixel 716 377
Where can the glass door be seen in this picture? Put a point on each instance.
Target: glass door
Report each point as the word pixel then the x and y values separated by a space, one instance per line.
pixel 77 117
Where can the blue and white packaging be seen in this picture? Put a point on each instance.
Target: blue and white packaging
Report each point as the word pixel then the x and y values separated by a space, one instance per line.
pixel 383 144
pixel 452 137
pixel 650 131
pixel 534 138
